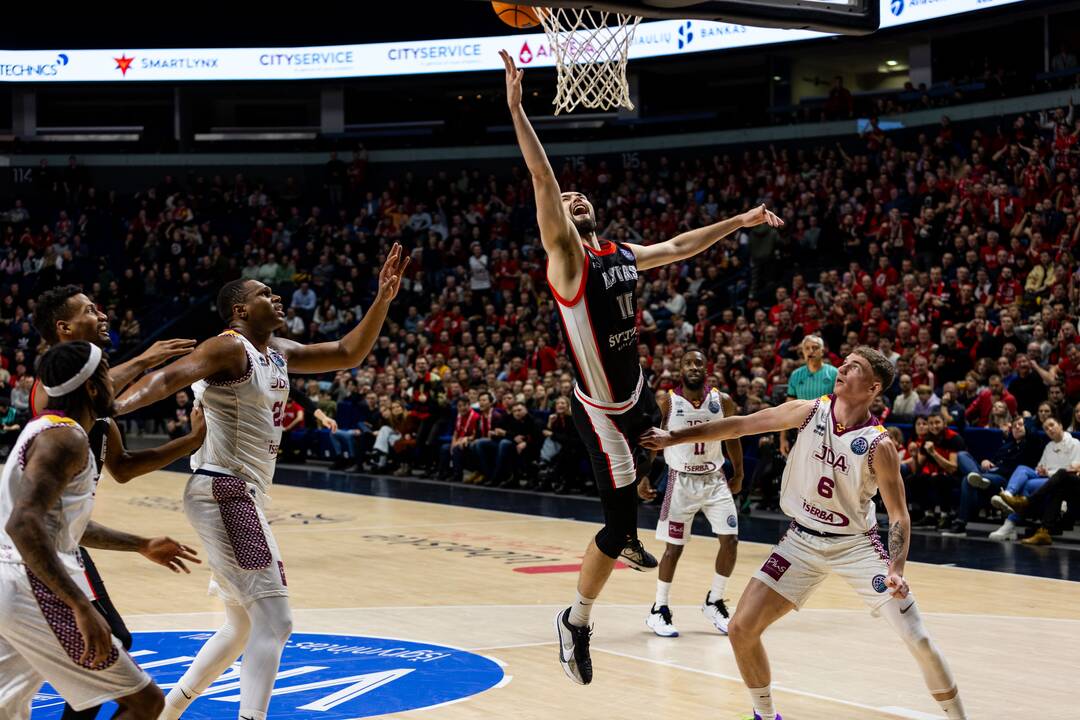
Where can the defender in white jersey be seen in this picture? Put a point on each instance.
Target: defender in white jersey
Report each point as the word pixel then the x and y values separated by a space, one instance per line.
pixel 49 630
pixel 696 483
pixel 841 458
pixel 241 380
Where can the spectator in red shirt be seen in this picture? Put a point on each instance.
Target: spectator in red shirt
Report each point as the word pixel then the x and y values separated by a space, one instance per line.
pixel 978 412
pixel 1009 289
pixel 452 454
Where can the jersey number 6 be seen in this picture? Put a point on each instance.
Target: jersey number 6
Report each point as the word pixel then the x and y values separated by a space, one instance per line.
pixel 825 486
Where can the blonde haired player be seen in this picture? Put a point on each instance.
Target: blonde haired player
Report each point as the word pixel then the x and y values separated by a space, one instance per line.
pixel 696 483
pixel 840 459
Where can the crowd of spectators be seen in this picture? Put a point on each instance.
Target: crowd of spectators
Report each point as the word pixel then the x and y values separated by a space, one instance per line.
pixel 951 249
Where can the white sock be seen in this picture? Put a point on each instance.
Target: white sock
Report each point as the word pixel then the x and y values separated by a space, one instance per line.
pixel 719 584
pixel 580 611
pixel 249 714
pixel 762 699
pixel 663 593
pixel 953 708
pixel 177 701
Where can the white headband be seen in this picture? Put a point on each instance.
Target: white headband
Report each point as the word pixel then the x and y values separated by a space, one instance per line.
pixel 80 377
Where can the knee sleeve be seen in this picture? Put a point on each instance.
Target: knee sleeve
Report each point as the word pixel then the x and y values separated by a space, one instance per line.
pixel 620 520
pixel 905 619
pixel 271 617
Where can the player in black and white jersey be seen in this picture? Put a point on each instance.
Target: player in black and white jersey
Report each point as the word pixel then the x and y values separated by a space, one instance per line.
pixel 594 283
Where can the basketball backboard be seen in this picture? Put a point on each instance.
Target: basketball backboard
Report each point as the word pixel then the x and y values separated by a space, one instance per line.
pixel 848 17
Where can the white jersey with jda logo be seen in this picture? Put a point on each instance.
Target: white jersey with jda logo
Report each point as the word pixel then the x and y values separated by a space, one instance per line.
pixel 829 479
pixel 67 519
pixel 701 458
pixel 244 418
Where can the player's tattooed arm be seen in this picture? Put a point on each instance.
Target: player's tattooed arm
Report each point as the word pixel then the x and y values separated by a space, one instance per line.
pixel 897 540
pixel 54 458
pixel 886 468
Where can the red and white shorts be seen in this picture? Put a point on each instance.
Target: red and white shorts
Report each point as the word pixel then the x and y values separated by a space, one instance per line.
pixel 227 513
pixel 688 494
pixel 801 561
pixel 40 642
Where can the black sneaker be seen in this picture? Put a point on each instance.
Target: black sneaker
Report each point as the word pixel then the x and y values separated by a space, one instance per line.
pixel 957 529
pixel 574 648
pixel 929 520
pixel 636 556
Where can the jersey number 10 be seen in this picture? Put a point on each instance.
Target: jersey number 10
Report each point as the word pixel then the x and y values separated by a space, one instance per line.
pixel 626 305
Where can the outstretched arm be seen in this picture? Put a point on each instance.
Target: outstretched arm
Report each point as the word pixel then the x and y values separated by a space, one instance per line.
pixel 782 417
pixel 126 373
pixel 223 356
pixel 891 485
pixel 558 236
pixel 124 464
pixel 162 550
pixel 349 351
pixel 695 241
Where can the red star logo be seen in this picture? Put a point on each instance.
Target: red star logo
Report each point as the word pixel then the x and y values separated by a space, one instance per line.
pixel 123 63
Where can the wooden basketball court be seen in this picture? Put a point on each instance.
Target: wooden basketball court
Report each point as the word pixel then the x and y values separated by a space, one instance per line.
pixel 491 582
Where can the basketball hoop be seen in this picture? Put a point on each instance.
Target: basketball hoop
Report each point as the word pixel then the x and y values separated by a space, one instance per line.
pixel 591 49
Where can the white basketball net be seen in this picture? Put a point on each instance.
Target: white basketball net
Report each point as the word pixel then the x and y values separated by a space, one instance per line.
pixel 590 56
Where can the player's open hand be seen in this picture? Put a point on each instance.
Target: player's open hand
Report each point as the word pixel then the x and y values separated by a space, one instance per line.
pixel 390 275
pixel 897 585
pixel 761 215
pixel 656 439
pixel 513 81
pixel 164 350
pixel 645 490
pixel 166 551
pixel 97 638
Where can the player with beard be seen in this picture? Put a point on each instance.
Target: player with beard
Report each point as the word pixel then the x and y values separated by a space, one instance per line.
pixel 241 380
pixel 49 630
pixel 65 314
pixel 594 284
pixel 696 483
pixel 841 458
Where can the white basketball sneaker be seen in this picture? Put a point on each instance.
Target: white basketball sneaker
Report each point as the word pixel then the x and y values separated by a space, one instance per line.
pixel 717 613
pixel 659 621
pixel 1006 532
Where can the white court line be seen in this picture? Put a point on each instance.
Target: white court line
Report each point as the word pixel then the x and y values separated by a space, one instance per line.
pixel 512 647
pixel 913 714
pixel 776 688
pixel 335 527
pixel 478 606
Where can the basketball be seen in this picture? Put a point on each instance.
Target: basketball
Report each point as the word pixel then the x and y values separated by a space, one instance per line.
pixel 514 15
